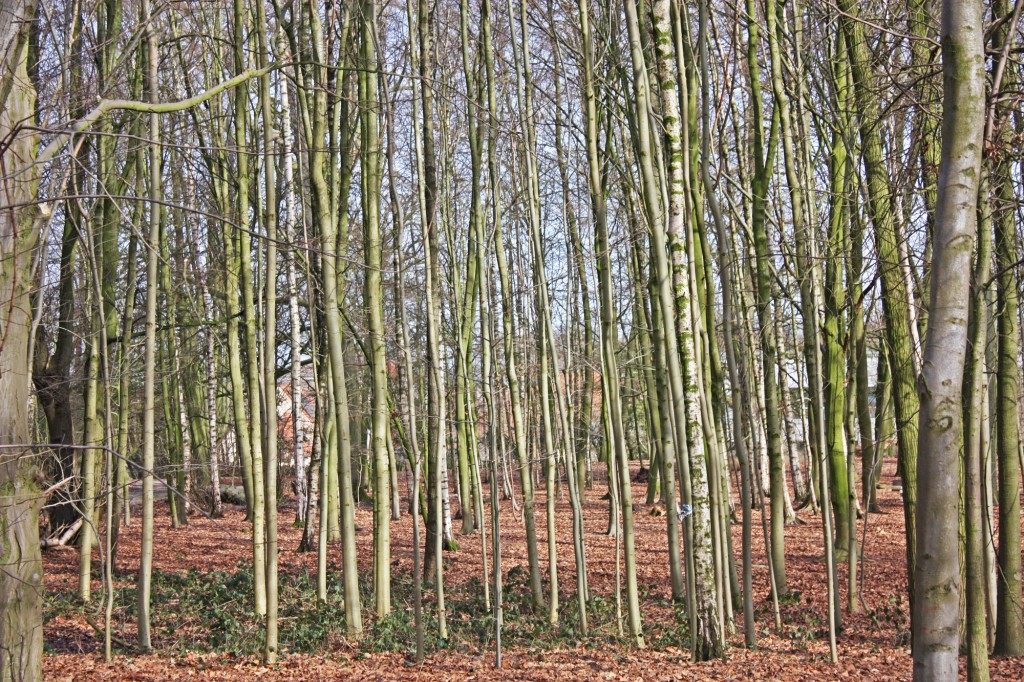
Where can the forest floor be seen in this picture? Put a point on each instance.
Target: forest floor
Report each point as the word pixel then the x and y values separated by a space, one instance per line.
pixel 203 628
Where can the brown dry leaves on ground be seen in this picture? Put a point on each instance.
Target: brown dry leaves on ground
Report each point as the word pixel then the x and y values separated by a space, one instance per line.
pixel 872 646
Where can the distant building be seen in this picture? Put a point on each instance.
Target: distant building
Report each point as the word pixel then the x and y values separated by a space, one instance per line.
pixel 307 415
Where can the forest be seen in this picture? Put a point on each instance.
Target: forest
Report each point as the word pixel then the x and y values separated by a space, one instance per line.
pixel 502 339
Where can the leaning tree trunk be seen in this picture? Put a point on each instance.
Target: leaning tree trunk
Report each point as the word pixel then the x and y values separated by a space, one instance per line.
pixel 895 299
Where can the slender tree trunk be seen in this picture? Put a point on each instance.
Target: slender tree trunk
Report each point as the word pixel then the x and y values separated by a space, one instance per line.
pixel 247 422
pixel 217 509
pixel 708 636
pixel 519 428
pixel 93 432
pixel 975 389
pixel 269 334
pixel 1009 616
pixel 124 360
pixel 726 264
pixel 338 445
pixel 374 301
pixel 551 376
pixel 149 362
pixel 763 163
pixel 291 256
pixel 493 434
pixel 836 337
pixel 583 423
pixel 436 407
pixel 662 273
pixel 894 293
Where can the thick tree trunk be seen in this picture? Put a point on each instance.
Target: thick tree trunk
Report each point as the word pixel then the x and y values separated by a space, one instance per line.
pixel 21 581
pixel 936 618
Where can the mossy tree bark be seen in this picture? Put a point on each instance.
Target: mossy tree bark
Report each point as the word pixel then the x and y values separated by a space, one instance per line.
pixel 21 581
pixel 936 618
pixel 1009 616
pixel 894 292
pixel 764 154
pixel 708 636
pixel 975 389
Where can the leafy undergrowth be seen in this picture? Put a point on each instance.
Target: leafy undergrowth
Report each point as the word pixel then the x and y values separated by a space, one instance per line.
pixel 212 613
pixel 204 626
